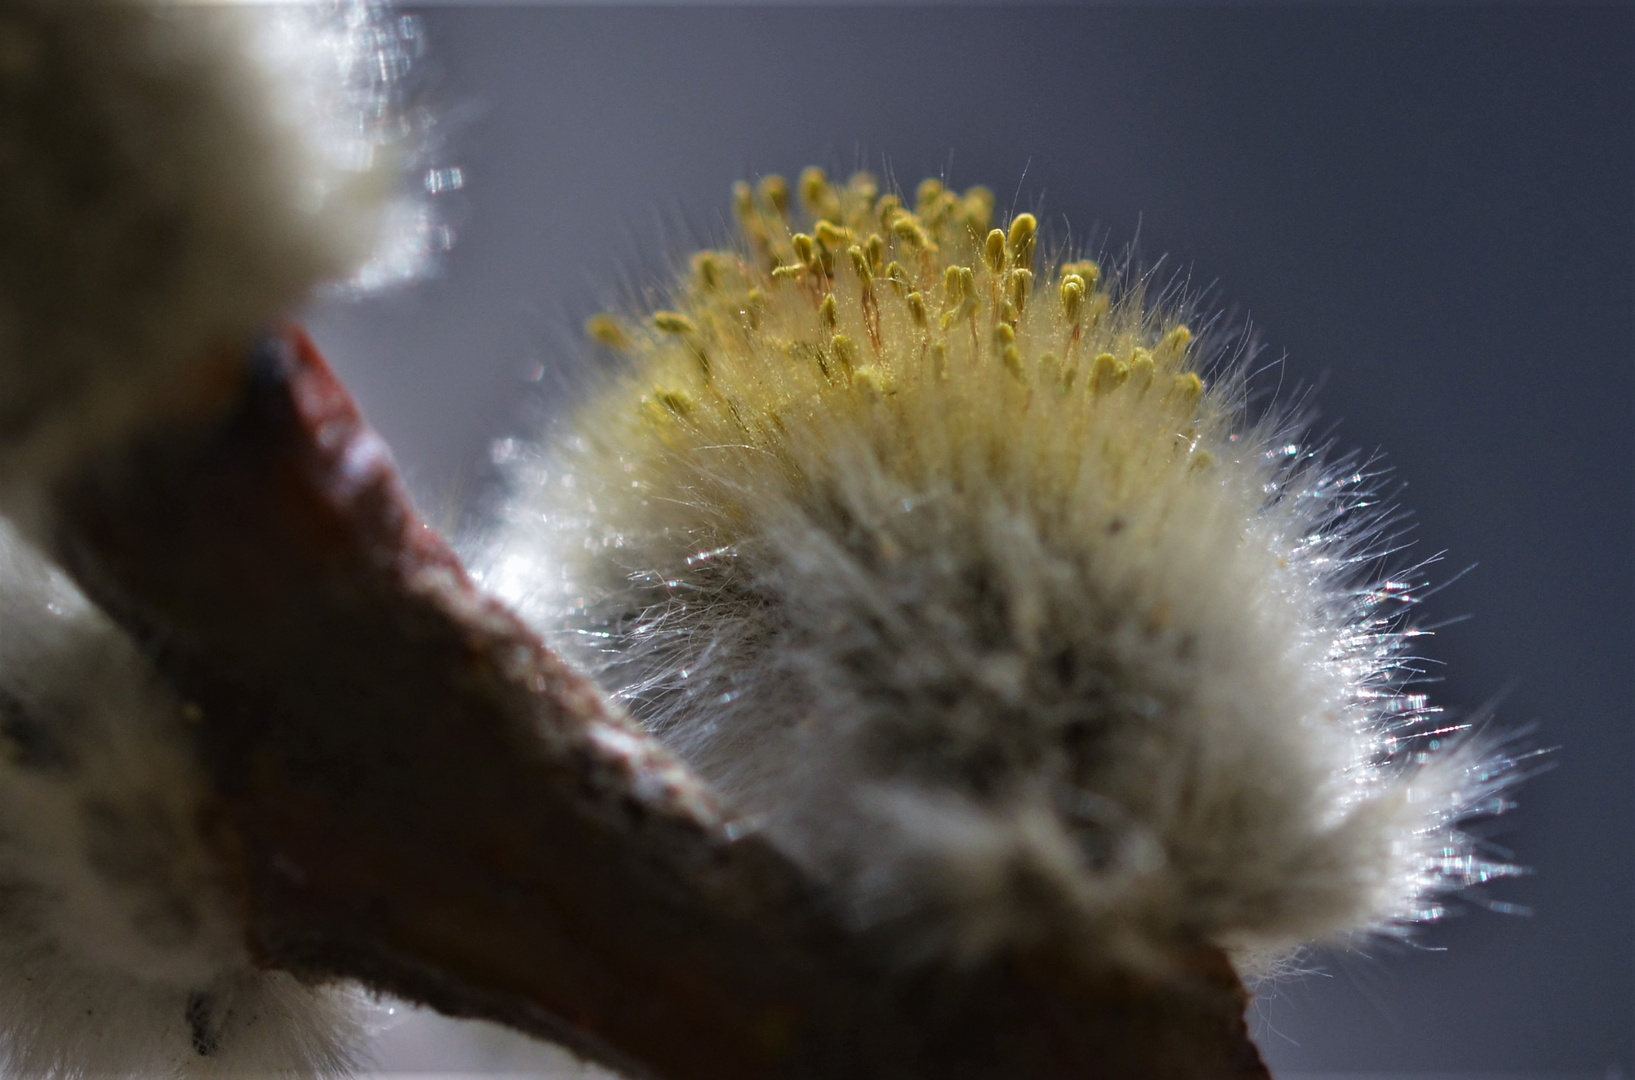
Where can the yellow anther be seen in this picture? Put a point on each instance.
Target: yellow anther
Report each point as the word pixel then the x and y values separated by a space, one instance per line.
pixel 959 289
pixel 707 268
pixel 1106 373
pixel 994 256
pixel 814 187
pixel 1072 297
pixel 1085 269
pixel 1141 370
pixel 1020 241
pixel 743 202
pixel 1021 288
pixel 1003 335
pixel 673 322
pixel 927 195
pixel 831 234
pixel 940 209
pixel 775 193
pixel 1012 359
pixel 1185 390
pixel 916 309
pixel 870 382
pixel 907 228
pixel 887 210
pixel 863 186
pixel 677 403
pixel 787 273
pixel 978 209
pixel 844 350
pixel 899 278
pixel 860 264
pixel 805 249
pixel 1008 313
pixel 829 312
pixel 1173 345
pixel 876 247
pixel 606 332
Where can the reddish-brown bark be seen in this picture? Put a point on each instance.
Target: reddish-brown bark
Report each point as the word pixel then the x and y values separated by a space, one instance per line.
pixel 422 797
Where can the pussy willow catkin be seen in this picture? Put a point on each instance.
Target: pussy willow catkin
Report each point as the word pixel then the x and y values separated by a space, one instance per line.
pixel 963 572
pixel 173 178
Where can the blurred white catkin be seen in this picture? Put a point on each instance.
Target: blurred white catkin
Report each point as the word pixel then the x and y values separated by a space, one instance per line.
pixel 172 178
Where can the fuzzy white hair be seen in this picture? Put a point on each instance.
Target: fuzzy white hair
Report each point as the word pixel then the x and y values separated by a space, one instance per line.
pixel 175 176
pixel 974 586
pixel 122 942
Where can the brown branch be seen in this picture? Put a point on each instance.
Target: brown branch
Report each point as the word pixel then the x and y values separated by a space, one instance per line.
pixel 422 797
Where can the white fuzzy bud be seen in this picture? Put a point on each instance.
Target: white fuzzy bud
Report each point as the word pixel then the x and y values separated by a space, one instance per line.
pixel 175 177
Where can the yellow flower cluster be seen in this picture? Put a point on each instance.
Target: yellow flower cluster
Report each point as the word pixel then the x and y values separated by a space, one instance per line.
pixel 876 305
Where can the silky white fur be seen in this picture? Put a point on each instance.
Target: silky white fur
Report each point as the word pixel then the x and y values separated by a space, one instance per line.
pixel 122 943
pixel 1004 658
pixel 175 177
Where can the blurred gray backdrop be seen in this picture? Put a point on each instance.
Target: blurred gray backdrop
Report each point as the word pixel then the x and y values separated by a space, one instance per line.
pixel 1428 210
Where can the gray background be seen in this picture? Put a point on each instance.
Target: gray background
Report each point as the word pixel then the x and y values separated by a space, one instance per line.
pixel 1428 209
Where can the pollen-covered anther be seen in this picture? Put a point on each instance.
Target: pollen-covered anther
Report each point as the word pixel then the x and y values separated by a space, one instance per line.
pixel 898 276
pixel 1141 371
pixel 831 235
pixel 1085 270
pixel 829 313
pixel 1172 347
pixel 774 191
pixel 607 332
pixel 1021 289
pixel 707 270
pixel 1185 391
pixel 805 251
pixel 993 254
pixel 887 210
pixel 817 195
pixel 743 204
pixel 845 351
pixel 860 265
pixel 908 229
pixel 1072 292
pixel 959 291
pixel 876 248
pixel 678 403
pixel 1106 373
pixel 927 195
pixel 870 382
pixel 916 310
pixel 673 322
pixel 1024 228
